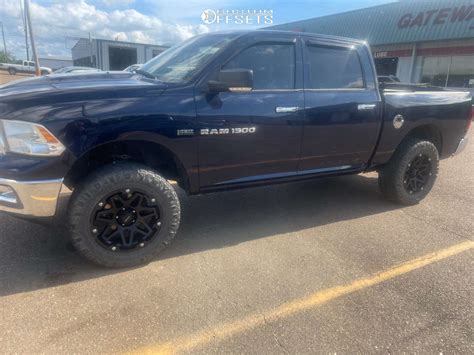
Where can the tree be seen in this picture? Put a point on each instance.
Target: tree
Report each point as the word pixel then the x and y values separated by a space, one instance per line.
pixel 8 58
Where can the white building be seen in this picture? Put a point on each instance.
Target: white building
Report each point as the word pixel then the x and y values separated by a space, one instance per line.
pixel 112 55
pixel 55 62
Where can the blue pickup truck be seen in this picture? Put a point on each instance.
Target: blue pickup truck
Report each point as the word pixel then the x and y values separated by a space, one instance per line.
pixel 219 111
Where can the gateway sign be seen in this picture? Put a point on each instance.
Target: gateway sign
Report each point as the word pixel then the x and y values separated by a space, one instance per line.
pixel 437 17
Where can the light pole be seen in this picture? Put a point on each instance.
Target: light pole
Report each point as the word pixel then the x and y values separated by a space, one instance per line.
pixel 4 42
pixel 32 37
pixel 25 28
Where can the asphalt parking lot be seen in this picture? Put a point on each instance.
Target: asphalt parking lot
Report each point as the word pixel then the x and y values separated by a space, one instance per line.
pixel 322 266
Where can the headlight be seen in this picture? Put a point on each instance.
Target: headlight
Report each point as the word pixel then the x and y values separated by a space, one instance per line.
pixel 29 138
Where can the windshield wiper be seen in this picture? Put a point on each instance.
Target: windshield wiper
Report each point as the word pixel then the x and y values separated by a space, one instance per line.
pixel 145 73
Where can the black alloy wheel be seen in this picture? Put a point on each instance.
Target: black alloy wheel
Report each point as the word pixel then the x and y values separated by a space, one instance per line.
pixel 418 174
pixel 126 220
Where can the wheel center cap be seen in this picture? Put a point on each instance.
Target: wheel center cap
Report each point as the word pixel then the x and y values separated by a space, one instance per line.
pixel 126 217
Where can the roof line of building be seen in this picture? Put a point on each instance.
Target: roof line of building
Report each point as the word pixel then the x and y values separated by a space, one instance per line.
pixel 334 15
pixel 124 42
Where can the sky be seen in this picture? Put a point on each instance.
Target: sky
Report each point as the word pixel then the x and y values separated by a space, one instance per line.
pixel 58 23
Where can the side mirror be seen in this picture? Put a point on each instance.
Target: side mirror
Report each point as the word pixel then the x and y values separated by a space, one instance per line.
pixel 234 80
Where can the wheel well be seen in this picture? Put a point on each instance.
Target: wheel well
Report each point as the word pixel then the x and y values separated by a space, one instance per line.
pixel 150 154
pixel 430 133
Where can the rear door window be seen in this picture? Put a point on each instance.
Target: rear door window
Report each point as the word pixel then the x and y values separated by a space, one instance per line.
pixel 333 68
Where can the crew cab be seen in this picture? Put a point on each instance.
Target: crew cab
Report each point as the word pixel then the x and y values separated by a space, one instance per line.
pixel 220 111
pixel 27 67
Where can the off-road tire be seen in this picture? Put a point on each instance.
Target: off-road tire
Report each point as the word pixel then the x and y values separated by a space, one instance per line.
pixel 12 71
pixel 106 180
pixel 392 176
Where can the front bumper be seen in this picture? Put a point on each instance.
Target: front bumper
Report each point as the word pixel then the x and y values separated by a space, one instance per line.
pixel 461 145
pixel 32 198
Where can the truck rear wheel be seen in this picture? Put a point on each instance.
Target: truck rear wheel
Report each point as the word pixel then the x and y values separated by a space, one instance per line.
pixel 12 71
pixel 123 215
pixel 411 173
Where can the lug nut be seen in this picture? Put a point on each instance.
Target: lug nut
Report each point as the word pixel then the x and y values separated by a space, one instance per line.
pixel 153 200
pixel 127 191
pixel 158 224
pixel 114 248
pixel 101 204
pixel 142 245
pixel 94 231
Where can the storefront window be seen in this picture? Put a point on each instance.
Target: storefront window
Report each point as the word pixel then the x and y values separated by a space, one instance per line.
pixel 435 70
pixel 455 71
pixel 461 72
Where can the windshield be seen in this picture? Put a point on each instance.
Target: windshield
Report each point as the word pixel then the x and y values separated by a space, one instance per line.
pixel 181 62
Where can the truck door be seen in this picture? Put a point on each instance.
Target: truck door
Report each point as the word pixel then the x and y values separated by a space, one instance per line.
pixel 342 107
pixel 246 137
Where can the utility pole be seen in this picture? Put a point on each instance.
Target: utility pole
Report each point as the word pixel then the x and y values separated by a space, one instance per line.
pixel 4 42
pixel 32 37
pixel 90 50
pixel 25 28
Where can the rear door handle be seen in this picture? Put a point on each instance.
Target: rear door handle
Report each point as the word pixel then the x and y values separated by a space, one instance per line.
pixel 282 109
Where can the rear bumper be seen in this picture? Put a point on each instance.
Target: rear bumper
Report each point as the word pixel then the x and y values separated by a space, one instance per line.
pixel 461 145
pixel 32 198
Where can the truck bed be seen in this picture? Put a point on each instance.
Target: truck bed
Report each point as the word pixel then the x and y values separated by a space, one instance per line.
pixel 441 110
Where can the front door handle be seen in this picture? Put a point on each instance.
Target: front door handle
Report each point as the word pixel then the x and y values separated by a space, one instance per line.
pixel 282 109
pixel 365 107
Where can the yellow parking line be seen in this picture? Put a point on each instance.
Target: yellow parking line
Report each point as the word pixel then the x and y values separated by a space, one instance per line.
pixel 227 330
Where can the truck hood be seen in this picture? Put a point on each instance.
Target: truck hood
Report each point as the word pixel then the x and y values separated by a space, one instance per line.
pixel 83 82
pixel 70 96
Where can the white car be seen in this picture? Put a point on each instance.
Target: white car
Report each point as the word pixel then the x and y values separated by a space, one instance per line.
pixel 27 67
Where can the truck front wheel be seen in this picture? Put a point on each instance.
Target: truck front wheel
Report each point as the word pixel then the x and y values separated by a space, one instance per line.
pixel 12 71
pixel 123 215
pixel 411 172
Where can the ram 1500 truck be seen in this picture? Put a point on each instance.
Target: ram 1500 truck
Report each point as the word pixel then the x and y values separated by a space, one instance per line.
pixel 26 67
pixel 219 111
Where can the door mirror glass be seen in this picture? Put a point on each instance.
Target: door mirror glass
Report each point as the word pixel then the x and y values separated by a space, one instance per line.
pixel 233 80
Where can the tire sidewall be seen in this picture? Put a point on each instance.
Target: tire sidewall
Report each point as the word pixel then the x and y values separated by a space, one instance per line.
pixel 104 183
pixel 12 71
